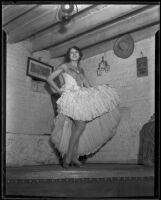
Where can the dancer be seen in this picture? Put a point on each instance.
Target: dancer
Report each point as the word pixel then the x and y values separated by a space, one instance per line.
pixel 88 116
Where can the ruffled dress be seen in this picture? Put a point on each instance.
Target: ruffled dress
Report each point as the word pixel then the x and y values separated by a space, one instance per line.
pixel 98 106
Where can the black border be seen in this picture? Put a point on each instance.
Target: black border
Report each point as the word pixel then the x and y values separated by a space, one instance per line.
pixel 157 115
pixel 157 99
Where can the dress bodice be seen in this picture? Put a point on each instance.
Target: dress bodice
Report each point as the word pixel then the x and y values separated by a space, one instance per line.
pixel 70 82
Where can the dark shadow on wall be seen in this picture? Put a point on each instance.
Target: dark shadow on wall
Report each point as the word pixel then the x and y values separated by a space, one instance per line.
pixel 147 143
pixel 54 97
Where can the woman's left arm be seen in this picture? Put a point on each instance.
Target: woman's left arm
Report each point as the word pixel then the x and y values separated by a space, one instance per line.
pixel 85 80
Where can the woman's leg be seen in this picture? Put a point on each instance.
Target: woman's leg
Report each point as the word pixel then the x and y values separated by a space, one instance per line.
pixel 77 131
pixel 75 150
pixel 75 157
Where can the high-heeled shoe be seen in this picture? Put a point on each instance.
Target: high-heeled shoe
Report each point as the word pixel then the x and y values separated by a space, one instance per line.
pixel 65 164
pixel 76 163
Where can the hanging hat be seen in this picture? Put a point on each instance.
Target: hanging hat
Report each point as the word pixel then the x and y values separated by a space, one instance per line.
pixel 124 46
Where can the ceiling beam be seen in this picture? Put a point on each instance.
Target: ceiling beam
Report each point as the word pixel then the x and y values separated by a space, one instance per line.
pixel 17 25
pixel 11 12
pixel 80 25
pixel 122 26
pixel 4 7
pixel 34 22
pixel 105 46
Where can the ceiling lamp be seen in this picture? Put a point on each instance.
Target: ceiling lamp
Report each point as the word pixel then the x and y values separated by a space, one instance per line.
pixel 65 11
pixel 67 8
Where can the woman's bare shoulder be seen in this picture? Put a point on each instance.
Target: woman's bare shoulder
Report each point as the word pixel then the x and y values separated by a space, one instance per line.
pixel 62 66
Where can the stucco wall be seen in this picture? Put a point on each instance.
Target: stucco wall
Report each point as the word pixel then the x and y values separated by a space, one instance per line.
pixel 136 99
pixel 30 113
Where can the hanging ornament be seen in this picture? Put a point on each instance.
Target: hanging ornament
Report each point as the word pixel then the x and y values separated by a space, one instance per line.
pixel 103 66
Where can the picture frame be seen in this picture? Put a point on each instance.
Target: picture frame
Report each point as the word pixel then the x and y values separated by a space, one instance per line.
pixel 142 66
pixel 38 70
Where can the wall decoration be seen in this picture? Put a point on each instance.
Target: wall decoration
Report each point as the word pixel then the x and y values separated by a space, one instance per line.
pixel 38 86
pixel 124 46
pixel 142 66
pixel 102 66
pixel 38 69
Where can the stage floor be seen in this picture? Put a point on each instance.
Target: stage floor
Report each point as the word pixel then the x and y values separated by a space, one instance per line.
pixel 93 180
pixel 87 171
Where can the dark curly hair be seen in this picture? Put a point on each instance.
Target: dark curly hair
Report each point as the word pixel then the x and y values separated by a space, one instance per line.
pixel 67 58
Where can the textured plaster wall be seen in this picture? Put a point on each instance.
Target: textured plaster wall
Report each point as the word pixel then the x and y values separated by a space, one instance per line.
pixel 30 114
pixel 136 99
pixel 27 111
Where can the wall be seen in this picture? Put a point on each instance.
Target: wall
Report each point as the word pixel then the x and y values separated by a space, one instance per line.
pixel 136 99
pixel 30 113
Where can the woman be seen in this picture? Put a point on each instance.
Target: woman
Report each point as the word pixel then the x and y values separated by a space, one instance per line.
pixel 82 109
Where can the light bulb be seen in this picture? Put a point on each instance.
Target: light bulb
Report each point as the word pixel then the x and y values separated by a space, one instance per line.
pixel 67 6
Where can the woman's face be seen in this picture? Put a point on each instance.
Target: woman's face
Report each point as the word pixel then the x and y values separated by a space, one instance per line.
pixel 74 54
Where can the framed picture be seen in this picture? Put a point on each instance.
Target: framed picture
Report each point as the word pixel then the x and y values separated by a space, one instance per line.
pixel 142 66
pixel 38 69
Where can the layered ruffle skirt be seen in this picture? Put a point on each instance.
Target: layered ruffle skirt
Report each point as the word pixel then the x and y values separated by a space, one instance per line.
pixel 98 106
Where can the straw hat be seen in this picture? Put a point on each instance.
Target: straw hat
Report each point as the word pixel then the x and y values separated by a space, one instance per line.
pixel 124 46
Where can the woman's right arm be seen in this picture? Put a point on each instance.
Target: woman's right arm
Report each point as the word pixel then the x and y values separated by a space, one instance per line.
pixel 53 75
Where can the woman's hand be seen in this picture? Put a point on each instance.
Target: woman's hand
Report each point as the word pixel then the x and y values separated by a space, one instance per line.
pixel 60 91
pixel 86 82
pixel 56 91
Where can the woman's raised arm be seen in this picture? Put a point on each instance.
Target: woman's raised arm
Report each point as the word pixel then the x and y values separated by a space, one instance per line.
pixel 53 75
pixel 85 80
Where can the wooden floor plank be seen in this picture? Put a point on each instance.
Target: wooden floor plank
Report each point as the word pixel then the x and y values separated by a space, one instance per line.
pixel 92 181
pixel 89 170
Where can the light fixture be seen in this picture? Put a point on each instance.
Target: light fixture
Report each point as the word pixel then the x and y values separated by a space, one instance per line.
pixel 102 66
pixel 65 11
pixel 67 8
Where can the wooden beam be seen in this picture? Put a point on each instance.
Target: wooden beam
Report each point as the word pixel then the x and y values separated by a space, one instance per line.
pixel 4 7
pixel 19 23
pixel 108 45
pixel 122 26
pixel 32 23
pixel 11 12
pixel 83 24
